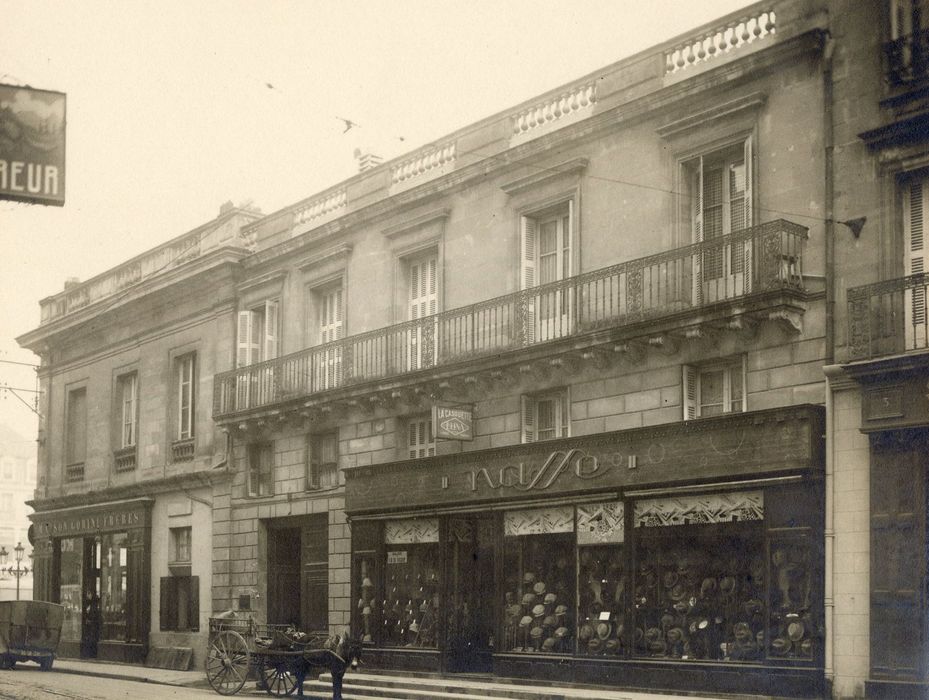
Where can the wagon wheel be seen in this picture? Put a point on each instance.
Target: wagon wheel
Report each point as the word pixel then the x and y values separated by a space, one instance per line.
pixel 277 675
pixel 227 662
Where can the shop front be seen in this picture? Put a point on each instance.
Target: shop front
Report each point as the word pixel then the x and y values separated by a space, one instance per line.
pixel 685 556
pixel 95 562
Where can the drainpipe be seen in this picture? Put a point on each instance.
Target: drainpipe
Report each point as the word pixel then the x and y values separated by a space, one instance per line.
pixel 828 360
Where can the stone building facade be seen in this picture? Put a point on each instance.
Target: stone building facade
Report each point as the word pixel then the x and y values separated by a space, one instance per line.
pixel 131 466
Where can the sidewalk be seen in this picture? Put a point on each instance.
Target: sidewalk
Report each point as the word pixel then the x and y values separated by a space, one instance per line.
pixel 132 672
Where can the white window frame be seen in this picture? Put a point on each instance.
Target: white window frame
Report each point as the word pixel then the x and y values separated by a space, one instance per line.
pixel 422 301
pixel 420 439
pixel 550 315
pixel 128 411
pixel 257 486
pixel 329 303
pixel 691 384
pixel 177 535
pixel 258 333
pixel 186 372
pixel 315 466
pixel 915 258
pixel 560 404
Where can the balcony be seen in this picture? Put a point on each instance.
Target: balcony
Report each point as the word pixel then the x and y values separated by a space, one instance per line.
pixel 907 58
pixel 888 318
pixel 757 270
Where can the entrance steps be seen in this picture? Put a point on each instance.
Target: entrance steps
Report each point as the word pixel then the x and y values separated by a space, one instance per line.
pixel 381 686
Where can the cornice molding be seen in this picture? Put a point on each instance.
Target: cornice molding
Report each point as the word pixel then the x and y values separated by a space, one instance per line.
pixel 260 281
pixel 747 103
pixel 416 222
pixel 575 166
pixel 336 252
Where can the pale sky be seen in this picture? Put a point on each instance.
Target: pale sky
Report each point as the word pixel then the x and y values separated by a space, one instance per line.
pixel 175 107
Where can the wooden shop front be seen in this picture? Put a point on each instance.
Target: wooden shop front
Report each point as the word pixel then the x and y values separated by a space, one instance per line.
pixel 95 561
pixel 685 556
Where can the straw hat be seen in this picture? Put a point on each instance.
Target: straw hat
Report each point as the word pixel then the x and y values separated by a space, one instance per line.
pixel 561 632
pixel 561 610
pixel 550 621
pixel 594 645
pixel 550 598
pixel 539 588
pixel 529 578
pixel 548 644
pixel 585 632
pixel 536 632
pixel 780 646
pixel 604 630
pixel 538 611
pixel 529 600
pixel 612 646
pixel 526 621
pixel 795 631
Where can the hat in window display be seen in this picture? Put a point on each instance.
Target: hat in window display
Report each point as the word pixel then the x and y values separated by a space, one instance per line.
pixel 806 647
pixel 414 627
pixel 708 587
pixel 795 631
pixel 550 598
pixel 561 610
pixel 538 611
pixel 514 610
pixel 525 621
pixel 550 621
pixel 549 644
pixel 366 611
pixel 670 579
pixel 611 646
pixel 742 632
pixel 585 632
pixel 536 632
pixel 675 635
pixel 780 646
pixel 539 588
pixel 529 578
pixel 678 592
pixel 423 607
pixel 529 600
pixel 604 629
pixel 727 585
pixel 367 583
pixel 595 645
pixel 561 633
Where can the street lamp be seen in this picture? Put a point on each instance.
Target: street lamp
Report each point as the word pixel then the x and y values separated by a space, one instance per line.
pixel 19 571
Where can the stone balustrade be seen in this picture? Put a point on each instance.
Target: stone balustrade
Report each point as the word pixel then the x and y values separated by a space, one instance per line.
pixel 320 208
pixel 576 100
pixel 430 160
pixel 735 34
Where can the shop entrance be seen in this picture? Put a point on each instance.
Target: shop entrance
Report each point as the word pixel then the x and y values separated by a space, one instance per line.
pixel 298 573
pixel 469 641
pixel 90 608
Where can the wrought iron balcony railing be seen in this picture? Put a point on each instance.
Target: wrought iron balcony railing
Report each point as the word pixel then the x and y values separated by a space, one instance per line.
pixel 908 58
pixel 698 276
pixel 888 318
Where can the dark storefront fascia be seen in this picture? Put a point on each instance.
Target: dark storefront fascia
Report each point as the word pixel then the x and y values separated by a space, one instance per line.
pixel 118 635
pixel 685 556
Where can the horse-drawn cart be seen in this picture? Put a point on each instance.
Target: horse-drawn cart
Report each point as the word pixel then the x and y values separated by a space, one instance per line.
pixel 29 631
pixel 274 655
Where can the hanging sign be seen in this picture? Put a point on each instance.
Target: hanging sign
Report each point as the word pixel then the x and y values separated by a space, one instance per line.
pixel 453 422
pixel 32 145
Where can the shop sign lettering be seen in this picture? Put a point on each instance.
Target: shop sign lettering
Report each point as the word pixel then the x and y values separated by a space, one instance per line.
pixel 453 422
pixel 526 478
pixel 91 523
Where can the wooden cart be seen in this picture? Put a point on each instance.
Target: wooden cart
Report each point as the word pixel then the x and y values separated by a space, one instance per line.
pixel 29 631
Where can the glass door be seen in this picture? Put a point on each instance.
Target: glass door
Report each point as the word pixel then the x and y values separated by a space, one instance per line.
pixel 90 613
pixel 469 641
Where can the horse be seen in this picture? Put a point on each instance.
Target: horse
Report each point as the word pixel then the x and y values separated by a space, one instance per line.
pixel 337 655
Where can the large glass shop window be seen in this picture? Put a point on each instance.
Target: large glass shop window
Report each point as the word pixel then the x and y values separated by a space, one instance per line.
pixel 603 586
pixel 70 587
pixel 411 610
pixel 113 550
pixel 699 578
pixel 539 585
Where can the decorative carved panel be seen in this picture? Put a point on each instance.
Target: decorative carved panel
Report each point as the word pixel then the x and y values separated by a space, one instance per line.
pixel 538 521
pixel 600 523
pixel 699 510
pixel 411 531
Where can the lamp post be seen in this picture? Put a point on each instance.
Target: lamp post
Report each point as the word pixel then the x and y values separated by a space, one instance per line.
pixel 19 571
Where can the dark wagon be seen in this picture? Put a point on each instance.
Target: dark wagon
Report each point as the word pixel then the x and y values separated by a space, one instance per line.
pixel 29 631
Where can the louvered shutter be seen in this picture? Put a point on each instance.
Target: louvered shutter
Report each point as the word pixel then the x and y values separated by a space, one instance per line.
pixel 193 604
pixel 749 220
pixel 528 244
pixel 528 419
pixel 689 392
pixel 916 262
pixel 697 218
pixel 243 340
pixel 272 329
pixel 168 600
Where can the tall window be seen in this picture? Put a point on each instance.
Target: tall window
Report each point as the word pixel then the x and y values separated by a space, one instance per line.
pixel 323 463
pixel 127 391
pixel 77 435
pixel 720 186
pixel 545 416
pixel 180 545
pixel 423 301
pixel 328 364
pixel 546 241
pixel 258 333
pixel 261 469
pixel 713 389
pixel 185 372
pixel 420 441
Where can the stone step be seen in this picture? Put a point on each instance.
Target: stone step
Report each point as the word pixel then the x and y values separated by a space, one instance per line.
pixel 363 686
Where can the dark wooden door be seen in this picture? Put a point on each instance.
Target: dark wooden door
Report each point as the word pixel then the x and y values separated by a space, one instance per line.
pixel 90 607
pixel 898 555
pixel 284 576
pixel 469 573
pixel 314 575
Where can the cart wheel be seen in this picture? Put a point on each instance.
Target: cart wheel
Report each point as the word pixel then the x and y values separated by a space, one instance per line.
pixel 227 662
pixel 277 676
pixel 46 664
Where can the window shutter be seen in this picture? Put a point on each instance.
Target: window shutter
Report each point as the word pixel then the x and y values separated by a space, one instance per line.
pixel 569 240
pixel 697 219
pixel 193 604
pixel 915 223
pixel 529 237
pixel 312 466
pixel 272 323
pixel 689 392
pixel 168 598
pixel 528 421
pixel 243 340
pixel 749 218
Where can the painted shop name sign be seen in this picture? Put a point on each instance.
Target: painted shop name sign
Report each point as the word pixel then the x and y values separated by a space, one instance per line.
pixel 91 523
pixel 527 477
pixel 32 145
pixel 453 422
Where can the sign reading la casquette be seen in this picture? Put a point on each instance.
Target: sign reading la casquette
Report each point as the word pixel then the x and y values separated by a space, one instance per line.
pixel 32 145
pixel 453 422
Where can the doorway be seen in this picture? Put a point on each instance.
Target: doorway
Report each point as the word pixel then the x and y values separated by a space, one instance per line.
pixel 298 573
pixel 469 640
pixel 90 608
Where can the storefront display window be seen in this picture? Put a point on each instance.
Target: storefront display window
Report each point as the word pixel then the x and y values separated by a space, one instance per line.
pixel 70 587
pixel 794 634
pixel 699 582
pixel 411 609
pixel 539 580
pixel 113 550
pixel 602 581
